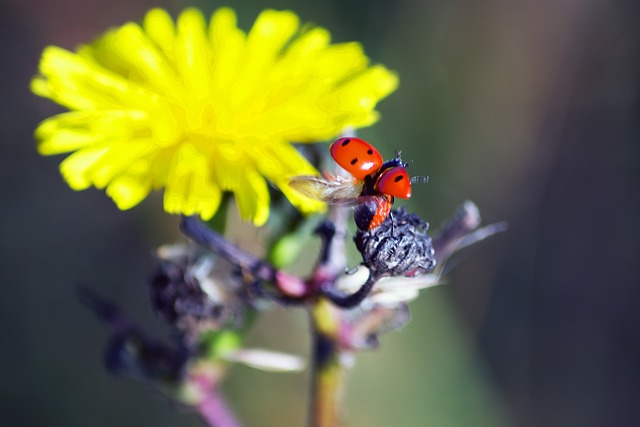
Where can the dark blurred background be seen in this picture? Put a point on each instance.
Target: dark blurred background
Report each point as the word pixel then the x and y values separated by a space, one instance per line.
pixel 529 108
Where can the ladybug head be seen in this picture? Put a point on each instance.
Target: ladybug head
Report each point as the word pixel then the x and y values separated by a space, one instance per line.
pixel 395 162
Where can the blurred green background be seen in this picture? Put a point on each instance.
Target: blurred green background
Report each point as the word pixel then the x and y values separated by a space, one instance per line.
pixel 530 108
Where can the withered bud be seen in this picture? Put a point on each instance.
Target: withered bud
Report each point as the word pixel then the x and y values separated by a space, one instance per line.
pixel 186 292
pixel 400 246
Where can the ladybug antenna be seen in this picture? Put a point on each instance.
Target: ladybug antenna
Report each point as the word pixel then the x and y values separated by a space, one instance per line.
pixel 419 179
pixel 398 154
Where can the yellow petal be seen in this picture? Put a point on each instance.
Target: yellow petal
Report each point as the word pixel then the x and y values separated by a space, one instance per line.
pixel 189 190
pixel 128 190
pixel 74 168
pixel 252 197
pixel 118 158
pixel 71 131
pixel 265 41
pixel 80 83
pixel 192 55
pixel 364 90
pixel 227 46
pixel 308 44
pixel 192 195
pixel 279 162
pixel 159 26
pixel 234 172
pixel 340 61
pixel 132 45
pixel 66 78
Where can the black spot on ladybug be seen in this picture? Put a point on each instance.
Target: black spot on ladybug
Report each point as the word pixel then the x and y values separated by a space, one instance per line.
pixel 398 178
pixel 369 151
pixel 345 142
pixel 354 161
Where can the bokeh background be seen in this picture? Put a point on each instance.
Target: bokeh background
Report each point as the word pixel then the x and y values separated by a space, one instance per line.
pixel 528 107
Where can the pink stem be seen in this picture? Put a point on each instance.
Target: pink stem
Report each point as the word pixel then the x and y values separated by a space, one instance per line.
pixel 215 412
pixel 211 407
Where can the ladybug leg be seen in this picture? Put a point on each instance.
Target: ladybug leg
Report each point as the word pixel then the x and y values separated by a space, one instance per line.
pixel 392 223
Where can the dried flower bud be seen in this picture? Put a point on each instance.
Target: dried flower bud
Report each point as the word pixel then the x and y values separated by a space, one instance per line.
pixel 191 292
pixel 400 246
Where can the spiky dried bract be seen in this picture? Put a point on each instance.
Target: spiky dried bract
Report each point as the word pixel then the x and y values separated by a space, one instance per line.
pixel 201 108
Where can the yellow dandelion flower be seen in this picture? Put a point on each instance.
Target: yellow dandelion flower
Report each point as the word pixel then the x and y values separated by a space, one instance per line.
pixel 202 109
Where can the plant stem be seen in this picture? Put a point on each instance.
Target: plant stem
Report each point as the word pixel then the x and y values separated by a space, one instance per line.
pixel 214 411
pixel 207 399
pixel 327 370
pixel 327 365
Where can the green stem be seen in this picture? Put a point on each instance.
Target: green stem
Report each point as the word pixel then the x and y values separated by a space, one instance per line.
pixel 327 369
pixel 328 360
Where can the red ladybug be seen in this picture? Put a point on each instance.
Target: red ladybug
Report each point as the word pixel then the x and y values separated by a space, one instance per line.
pixel 373 186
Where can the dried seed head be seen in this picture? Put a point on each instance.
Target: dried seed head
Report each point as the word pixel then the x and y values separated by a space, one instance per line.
pixel 400 246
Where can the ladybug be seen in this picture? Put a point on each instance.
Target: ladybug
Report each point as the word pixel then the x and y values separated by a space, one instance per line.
pixel 372 188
